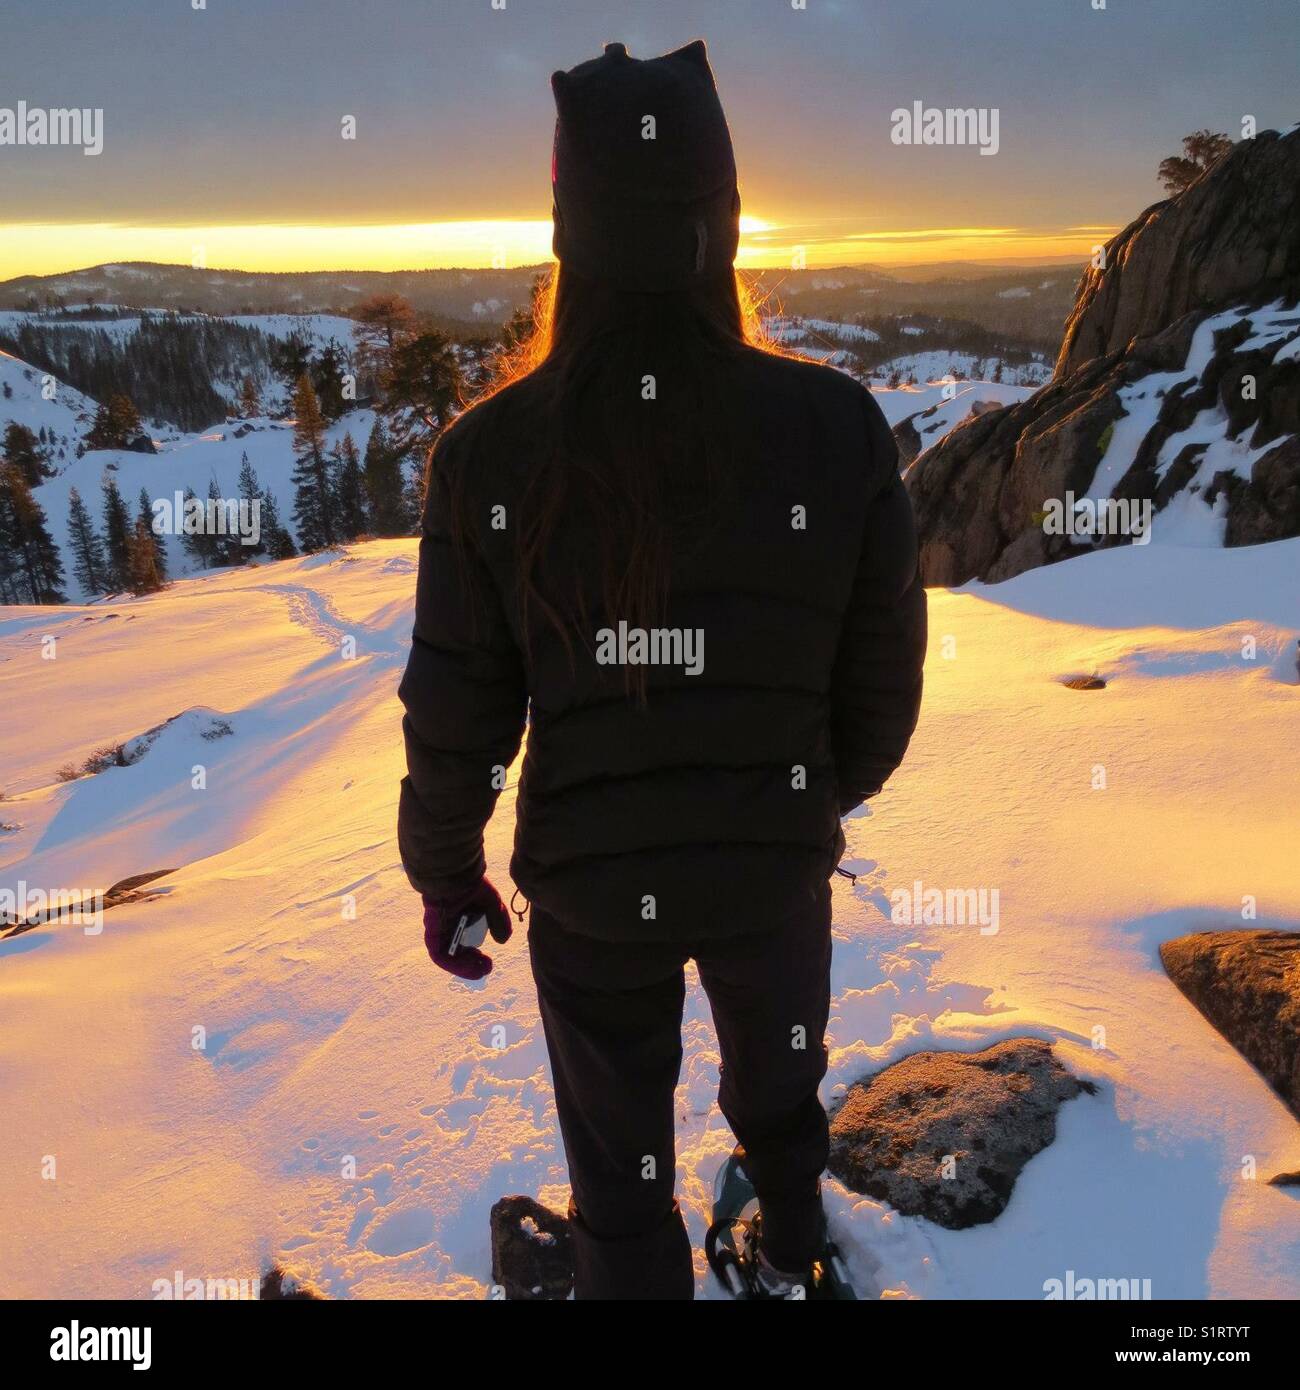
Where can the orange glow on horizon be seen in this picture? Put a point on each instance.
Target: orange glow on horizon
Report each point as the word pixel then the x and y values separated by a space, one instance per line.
pixel 57 248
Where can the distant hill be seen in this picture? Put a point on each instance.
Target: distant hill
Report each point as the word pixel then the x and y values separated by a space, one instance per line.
pixel 486 297
pixel 1030 302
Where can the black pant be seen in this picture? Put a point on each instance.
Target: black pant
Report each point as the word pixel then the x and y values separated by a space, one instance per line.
pixel 612 1015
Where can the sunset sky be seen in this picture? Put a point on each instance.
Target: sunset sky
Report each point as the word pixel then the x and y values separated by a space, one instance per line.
pixel 222 125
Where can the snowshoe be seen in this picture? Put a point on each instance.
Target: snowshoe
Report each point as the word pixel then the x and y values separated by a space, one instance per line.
pixel 732 1246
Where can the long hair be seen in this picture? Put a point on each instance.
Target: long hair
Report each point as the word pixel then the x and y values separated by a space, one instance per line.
pixel 639 442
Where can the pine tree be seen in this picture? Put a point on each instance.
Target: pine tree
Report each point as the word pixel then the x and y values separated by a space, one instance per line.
pixel 248 489
pixel 223 547
pixel 142 567
pixel 116 424
pixel 423 388
pixel 89 565
pixel 1201 150
pixel 349 490
pixel 196 544
pixel 145 514
pixel 389 511
pixel 250 402
pixel 251 494
pixel 10 569
pixel 291 360
pixel 117 528
pixel 327 379
pixel 313 500
pixel 383 321
pixel 277 540
pixel 35 571
pixel 22 449
pixel 13 580
pixel 414 484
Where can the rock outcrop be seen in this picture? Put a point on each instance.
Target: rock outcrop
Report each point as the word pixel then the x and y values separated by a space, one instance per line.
pixel 1211 414
pixel 945 1134
pixel 1233 236
pixel 1247 984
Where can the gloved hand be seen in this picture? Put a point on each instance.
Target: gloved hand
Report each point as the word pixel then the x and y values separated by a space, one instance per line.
pixel 454 929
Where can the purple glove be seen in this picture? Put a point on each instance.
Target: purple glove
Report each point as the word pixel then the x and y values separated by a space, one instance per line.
pixel 454 929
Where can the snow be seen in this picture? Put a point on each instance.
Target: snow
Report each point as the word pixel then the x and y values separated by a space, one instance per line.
pixel 951 401
pixel 1019 292
pixel 11 320
pixel 28 404
pixel 937 363
pixel 846 332
pixel 242 1068
pixel 193 460
pixel 805 333
pixel 189 460
pixel 182 460
pixel 318 329
pixel 1188 519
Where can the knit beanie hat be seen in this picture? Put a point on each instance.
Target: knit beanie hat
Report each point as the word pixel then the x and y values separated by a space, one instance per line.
pixel 643 174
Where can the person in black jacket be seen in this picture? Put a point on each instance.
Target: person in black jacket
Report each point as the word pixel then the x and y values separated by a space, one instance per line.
pixel 687 565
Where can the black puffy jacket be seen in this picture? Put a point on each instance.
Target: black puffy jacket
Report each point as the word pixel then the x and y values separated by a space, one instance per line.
pixel 713 809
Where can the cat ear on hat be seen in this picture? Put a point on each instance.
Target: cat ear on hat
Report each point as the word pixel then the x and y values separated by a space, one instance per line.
pixel 694 52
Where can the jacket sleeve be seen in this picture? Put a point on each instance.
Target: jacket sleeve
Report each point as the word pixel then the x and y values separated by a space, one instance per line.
pixel 466 701
pixel 876 684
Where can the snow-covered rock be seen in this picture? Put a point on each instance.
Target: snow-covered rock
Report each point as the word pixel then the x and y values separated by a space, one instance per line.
pixel 945 1135
pixel 1176 396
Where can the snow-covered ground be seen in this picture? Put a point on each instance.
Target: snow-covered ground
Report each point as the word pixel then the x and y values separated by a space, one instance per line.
pixel 317 329
pixel 824 340
pixel 189 460
pixel 33 398
pixel 261 1061
pixel 936 363
pixel 940 406
pixel 797 330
